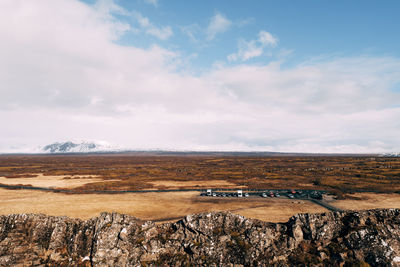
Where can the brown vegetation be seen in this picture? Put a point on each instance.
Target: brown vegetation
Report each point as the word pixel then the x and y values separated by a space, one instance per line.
pixel 340 174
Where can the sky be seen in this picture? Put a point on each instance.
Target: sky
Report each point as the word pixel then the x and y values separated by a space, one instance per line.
pixel 227 75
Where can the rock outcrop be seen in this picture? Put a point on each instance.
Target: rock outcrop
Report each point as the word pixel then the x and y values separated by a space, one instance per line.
pixel 209 239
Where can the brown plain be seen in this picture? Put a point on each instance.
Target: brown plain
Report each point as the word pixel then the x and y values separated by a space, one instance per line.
pixel 341 175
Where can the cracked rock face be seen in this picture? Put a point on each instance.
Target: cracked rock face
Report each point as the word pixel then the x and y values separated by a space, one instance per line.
pixel 209 239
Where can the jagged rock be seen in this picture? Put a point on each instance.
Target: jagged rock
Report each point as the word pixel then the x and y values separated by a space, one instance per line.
pixel 209 239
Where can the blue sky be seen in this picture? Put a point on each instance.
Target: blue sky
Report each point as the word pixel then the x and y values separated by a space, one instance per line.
pixel 307 29
pixel 294 76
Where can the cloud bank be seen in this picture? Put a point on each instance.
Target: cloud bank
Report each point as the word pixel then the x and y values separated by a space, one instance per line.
pixel 63 76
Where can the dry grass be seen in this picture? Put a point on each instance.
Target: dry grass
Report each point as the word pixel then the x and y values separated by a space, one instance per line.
pixel 148 206
pixel 338 174
pixel 279 210
pixel 52 181
pixel 139 171
pixel 192 184
pixel 364 201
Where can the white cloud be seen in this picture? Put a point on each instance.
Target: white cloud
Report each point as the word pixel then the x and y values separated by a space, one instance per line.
pixel 254 48
pixel 218 24
pixel 244 22
pixel 265 38
pixel 108 7
pixel 191 31
pixel 247 50
pixel 68 79
pixel 162 33
pixel 152 2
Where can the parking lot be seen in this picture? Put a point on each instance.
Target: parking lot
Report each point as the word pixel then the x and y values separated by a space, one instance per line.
pixel 265 193
pixel 314 196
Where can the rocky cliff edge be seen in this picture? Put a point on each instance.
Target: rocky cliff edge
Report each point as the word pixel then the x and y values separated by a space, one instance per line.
pixel 210 239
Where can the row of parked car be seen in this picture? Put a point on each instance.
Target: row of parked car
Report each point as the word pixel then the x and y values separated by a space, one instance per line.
pixel 269 193
pixel 224 194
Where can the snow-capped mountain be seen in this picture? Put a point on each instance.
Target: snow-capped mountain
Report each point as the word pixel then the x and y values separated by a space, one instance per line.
pixel 79 147
pixel 392 154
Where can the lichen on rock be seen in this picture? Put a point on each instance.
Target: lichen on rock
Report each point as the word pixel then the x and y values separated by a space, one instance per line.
pixel 211 239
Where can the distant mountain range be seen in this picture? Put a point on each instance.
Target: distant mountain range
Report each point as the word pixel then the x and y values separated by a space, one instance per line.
pixel 105 147
pixel 393 154
pixel 79 147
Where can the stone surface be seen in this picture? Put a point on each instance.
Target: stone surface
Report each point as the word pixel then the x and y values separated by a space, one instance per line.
pixel 210 239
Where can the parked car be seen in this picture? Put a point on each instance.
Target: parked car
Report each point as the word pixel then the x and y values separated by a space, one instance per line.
pixel 209 193
pixel 316 195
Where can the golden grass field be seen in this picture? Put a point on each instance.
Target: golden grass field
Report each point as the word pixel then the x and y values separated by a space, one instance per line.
pixel 174 205
pixel 363 201
pixel 52 181
pixel 148 206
